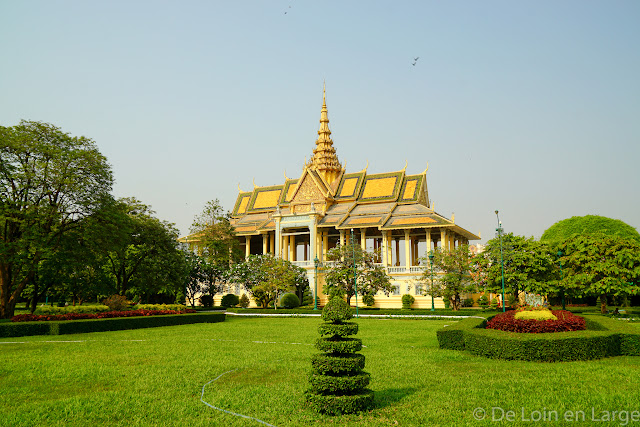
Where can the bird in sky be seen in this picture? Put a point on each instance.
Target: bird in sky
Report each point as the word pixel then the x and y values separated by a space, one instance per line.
pixel 415 60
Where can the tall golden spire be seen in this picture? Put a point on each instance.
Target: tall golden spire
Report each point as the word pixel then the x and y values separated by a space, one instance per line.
pixel 324 159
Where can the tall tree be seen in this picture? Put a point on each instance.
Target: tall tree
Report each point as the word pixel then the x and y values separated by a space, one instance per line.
pixel 456 276
pixel 601 266
pixel 265 277
pixel 49 181
pixel 529 266
pixel 347 260
pixel 144 243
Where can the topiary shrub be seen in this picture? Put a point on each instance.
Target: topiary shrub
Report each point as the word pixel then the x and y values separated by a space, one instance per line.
pixel 338 382
pixel 407 301
pixel 289 300
pixel 369 300
pixel 244 301
pixel 230 300
pixel 206 300
pixel 483 301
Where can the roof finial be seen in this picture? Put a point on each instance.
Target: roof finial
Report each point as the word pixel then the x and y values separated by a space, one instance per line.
pixel 406 163
pixel 324 159
pixel 239 189
pixel 425 171
pixel 286 178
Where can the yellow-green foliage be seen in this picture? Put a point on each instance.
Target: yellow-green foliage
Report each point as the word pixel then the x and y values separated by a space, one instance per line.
pixel 535 315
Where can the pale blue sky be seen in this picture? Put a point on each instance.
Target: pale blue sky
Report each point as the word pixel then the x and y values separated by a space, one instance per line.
pixel 529 107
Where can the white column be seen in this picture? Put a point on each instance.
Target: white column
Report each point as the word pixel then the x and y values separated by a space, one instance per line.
pixel 313 239
pixel 363 239
pixel 265 244
pixel 407 249
pixel 428 240
pixel 292 248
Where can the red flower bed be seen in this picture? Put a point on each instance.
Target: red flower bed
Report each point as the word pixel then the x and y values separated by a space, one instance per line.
pixel 567 321
pixel 108 314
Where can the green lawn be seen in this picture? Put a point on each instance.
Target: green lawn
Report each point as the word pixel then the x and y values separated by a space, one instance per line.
pixel 155 377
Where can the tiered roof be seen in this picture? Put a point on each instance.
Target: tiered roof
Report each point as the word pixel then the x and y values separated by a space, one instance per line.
pixel 386 201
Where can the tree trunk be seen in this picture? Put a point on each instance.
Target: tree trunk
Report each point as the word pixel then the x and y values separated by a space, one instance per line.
pixel 603 304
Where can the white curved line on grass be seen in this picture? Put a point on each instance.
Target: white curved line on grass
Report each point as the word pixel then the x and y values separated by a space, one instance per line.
pixel 224 410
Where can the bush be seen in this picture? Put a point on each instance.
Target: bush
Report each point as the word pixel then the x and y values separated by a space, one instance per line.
pixel 116 303
pixel 603 338
pixel 343 384
pixel 324 363
pixel 407 301
pixel 230 300
pixel 244 301
pixel 338 330
pixel 161 307
pixel 289 300
pixel 483 301
pixel 48 310
pixel 467 302
pixel 338 383
pixel 206 300
pixel 566 321
pixel 337 311
pixel 105 324
pixel 369 300
pixel 535 315
pixel 494 303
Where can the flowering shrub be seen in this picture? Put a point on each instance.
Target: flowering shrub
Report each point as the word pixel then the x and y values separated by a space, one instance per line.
pixel 566 321
pixel 535 315
pixel 108 314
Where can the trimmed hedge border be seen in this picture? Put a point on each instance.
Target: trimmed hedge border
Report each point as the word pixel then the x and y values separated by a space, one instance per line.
pixel 604 337
pixel 20 329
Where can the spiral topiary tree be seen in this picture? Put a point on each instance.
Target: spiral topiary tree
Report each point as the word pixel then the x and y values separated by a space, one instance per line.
pixel 338 383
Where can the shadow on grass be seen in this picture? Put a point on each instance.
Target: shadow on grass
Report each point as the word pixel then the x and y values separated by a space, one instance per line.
pixel 390 396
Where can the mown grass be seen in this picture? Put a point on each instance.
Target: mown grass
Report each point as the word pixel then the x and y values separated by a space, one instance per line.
pixel 155 377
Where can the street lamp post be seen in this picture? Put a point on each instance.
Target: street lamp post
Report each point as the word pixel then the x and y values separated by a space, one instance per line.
pixel 315 279
pixel 355 271
pixel 561 276
pixel 431 262
pixel 500 231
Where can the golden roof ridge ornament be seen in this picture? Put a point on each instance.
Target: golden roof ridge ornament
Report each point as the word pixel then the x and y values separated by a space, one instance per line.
pixel 285 175
pixel 239 189
pixel 324 159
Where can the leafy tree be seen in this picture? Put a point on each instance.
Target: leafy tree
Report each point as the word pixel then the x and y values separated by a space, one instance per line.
pixel 589 224
pixel 49 182
pixel 529 266
pixel 216 239
pixel 455 266
pixel 145 246
pixel 600 265
pixel 265 277
pixel 347 259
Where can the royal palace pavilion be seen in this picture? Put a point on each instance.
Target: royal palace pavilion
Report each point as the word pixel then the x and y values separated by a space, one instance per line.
pixel 390 214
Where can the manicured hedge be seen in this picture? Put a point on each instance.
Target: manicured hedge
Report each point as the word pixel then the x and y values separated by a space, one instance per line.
pixel 340 404
pixel 323 363
pixel 101 325
pixel 603 338
pixel 341 330
pixel 344 345
pixel 324 384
